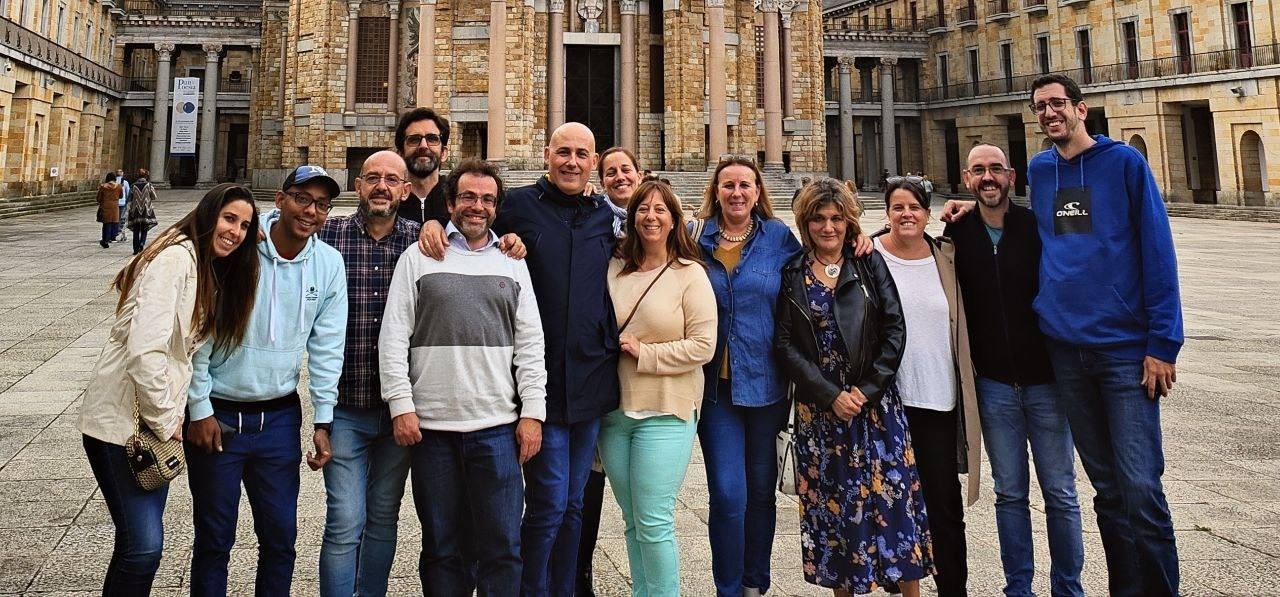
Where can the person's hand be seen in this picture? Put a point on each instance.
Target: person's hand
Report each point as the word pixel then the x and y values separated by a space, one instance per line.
pixel 589 190
pixel 177 433
pixel 846 406
pixel 629 345
pixel 862 246
pixel 405 429
pixel 1158 377
pixel 432 240
pixel 954 211
pixel 323 452
pixel 529 437
pixel 511 246
pixel 206 434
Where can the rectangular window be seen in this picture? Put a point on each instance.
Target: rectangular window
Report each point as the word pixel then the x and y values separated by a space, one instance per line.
pixel 373 45
pixel 944 76
pixel 24 12
pixel 656 80
pixel 760 67
pixel 1130 31
pixel 62 23
pixel 44 18
pixel 866 23
pixel 973 70
pixel 1244 34
pixel 1086 56
pixel 1042 53
pixel 1182 41
pixel 915 16
pixel 75 33
pixel 1006 65
pixel 655 17
pixel 942 13
pixel 888 19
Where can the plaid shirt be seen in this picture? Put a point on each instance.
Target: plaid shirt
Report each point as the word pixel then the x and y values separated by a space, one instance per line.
pixel 370 264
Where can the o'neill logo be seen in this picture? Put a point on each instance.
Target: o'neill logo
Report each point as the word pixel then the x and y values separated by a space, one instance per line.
pixel 1072 209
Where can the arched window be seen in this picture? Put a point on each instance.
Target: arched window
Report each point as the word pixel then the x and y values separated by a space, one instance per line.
pixel 1139 144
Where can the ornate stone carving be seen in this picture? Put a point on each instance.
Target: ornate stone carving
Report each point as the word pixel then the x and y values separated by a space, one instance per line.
pixel 889 61
pixel 628 7
pixel 766 5
pixel 556 6
pixel 590 11
pixel 845 63
pixel 394 8
pixel 786 19
pixel 164 51
pixel 211 52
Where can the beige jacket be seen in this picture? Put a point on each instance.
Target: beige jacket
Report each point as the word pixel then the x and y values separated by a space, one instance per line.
pixel 148 353
pixel 969 448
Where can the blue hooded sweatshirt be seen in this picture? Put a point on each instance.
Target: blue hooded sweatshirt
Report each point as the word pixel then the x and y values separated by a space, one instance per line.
pixel 300 304
pixel 1108 274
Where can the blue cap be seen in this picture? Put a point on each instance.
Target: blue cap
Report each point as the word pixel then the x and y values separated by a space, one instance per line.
pixel 305 174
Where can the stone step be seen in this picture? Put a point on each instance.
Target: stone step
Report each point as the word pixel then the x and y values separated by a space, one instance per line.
pixel 16 207
pixel 1224 212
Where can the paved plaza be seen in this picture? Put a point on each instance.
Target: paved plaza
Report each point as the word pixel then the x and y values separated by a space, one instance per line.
pixel 1221 432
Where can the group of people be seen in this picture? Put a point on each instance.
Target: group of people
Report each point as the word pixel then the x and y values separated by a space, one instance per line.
pixel 122 204
pixel 492 346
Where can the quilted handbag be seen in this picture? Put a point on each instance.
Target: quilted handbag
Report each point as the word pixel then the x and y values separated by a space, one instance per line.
pixel 154 461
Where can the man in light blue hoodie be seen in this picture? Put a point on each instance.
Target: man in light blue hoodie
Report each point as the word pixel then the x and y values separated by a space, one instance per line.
pixel 243 407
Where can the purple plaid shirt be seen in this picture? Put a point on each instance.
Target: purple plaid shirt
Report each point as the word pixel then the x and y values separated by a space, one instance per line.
pixel 370 264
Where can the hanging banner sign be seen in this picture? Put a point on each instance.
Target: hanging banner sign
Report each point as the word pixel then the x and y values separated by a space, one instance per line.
pixel 186 112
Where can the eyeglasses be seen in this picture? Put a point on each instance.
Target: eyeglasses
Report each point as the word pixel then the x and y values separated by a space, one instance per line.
pixel 304 201
pixel 981 171
pixel 431 139
pixel 472 198
pixel 1057 103
pixel 373 180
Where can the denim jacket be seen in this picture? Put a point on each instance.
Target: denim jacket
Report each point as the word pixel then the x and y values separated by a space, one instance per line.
pixel 745 300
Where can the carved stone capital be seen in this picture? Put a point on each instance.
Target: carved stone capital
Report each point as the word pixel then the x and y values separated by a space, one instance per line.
pixel 786 19
pixel 164 51
pixel 628 7
pixel 888 61
pixel 211 52
pixel 845 64
pixel 353 9
pixel 766 5
pixel 786 6
pixel 556 6
pixel 715 3
pixel 394 8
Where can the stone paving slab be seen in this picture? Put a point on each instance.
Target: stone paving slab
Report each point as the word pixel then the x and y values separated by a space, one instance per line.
pixel 1220 427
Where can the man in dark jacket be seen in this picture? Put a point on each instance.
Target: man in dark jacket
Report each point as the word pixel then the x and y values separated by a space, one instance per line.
pixel 997 262
pixel 422 138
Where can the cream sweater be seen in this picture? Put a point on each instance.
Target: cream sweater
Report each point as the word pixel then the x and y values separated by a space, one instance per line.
pixel 676 327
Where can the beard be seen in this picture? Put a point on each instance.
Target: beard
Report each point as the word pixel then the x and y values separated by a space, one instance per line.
pixel 999 199
pixel 422 166
pixel 367 210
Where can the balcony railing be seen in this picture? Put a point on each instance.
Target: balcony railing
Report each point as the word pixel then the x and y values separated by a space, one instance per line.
pixel 142 83
pixel 999 8
pixel 28 42
pixel 938 21
pixel 966 15
pixel 1035 5
pixel 226 84
pixel 1205 62
pixel 159 9
pixel 877 25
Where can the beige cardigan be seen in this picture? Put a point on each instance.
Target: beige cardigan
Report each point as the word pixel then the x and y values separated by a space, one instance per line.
pixel 676 327
pixel 148 352
pixel 969 450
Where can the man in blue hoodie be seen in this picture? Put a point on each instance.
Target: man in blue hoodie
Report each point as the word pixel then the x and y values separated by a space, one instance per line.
pixel 1109 304
pixel 244 408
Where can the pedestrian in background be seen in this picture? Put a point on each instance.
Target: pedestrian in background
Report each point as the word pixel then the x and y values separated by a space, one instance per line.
pixel 141 213
pixel 109 193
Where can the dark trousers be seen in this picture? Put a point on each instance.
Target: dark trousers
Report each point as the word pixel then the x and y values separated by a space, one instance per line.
pixel 264 454
pixel 109 231
pixel 473 475
pixel 139 238
pixel 592 504
pixel 138 517
pixel 554 482
pixel 933 437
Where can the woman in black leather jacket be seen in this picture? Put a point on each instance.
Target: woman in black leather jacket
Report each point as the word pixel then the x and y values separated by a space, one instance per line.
pixel 839 337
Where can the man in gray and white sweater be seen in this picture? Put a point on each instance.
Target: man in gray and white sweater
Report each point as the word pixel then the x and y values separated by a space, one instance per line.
pixel 461 357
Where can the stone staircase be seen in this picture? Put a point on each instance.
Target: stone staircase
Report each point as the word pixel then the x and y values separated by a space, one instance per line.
pixel 1224 212
pixel 22 206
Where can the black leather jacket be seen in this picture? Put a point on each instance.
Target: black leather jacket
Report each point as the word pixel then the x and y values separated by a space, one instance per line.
pixel 869 314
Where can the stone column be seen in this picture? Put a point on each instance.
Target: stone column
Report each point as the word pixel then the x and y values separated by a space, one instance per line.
pixel 717 102
pixel 848 169
pixel 888 138
pixel 208 115
pixel 353 44
pixel 426 90
pixel 788 62
pixel 497 125
pixel 630 103
pixel 555 66
pixel 161 110
pixel 393 59
pixel 772 89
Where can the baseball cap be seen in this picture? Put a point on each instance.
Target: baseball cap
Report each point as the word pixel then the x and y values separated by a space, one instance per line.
pixel 305 174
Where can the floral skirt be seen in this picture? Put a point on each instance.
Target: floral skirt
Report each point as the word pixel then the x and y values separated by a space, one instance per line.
pixel 863 520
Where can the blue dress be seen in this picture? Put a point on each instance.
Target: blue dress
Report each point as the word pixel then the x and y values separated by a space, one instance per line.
pixel 863 519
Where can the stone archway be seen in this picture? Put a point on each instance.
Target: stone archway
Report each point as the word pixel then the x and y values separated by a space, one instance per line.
pixel 1140 144
pixel 1253 169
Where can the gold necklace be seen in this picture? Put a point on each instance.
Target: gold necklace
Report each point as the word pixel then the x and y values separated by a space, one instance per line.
pixel 832 269
pixel 751 224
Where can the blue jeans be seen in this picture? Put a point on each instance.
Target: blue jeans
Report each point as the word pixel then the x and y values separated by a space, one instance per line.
pixel 554 482
pixel 264 454
pixel 1013 416
pixel 475 476
pixel 138 517
pixel 742 470
pixel 363 484
pixel 646 460
pixel 1117 433
pixel 139 238
pixel 109 231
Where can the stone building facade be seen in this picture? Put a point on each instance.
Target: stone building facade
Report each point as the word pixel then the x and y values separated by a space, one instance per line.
pixel 1193 84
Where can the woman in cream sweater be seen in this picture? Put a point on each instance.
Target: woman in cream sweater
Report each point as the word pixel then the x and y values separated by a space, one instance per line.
pixel 666 311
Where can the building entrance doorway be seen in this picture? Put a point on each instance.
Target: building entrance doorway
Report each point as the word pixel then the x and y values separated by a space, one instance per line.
pixel 1017 154
pixel 237 151
pixel 589 95
pixel 1202 153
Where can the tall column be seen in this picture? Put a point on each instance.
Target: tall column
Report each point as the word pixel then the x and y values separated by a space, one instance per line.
pixel 353 44
pixel 208 115
pixel 630 103
pixel 393 59
pixel 426 90
pixel 555 66
pixel 788 62
pixel 772 88
pixel 717 102
pixel 888 138
pixel 161 110
pixel 497 81
pixel 848 169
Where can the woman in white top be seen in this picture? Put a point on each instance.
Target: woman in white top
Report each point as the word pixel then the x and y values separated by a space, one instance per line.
pixel 196 282
pixel 935 377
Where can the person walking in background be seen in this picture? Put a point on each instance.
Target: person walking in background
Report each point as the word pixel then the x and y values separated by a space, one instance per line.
pixel 664 300
pixel 109 193
pixel 840 337
pixel 122 203
pixel 998 263
pixel 935 377
pixel 194 285
pixel 141 210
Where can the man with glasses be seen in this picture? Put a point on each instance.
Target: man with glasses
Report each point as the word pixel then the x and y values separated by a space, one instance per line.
pixel 422 138
pixel 997 264
pixel 243 407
